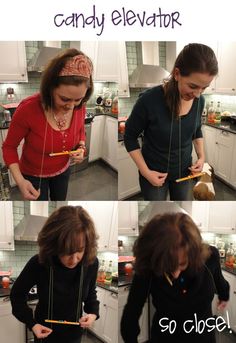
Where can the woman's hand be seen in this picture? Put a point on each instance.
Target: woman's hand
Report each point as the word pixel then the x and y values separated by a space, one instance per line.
pixel 41 331
pixel 78 157
pixel 197 166
pixel 155 178
pixel 221 305
pixel 87 320
pixel 27 190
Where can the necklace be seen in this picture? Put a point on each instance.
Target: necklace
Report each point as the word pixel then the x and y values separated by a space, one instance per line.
pixel 60 122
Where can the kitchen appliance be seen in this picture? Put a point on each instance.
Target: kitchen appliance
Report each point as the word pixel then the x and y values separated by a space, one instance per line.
pixel 75 167
pixel 158 207
pixel 44 54
pixel 148 72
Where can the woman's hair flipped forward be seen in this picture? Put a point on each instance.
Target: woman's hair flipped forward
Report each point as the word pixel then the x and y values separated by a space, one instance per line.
pixel 61 234
pixel 157 247
pixel 194 58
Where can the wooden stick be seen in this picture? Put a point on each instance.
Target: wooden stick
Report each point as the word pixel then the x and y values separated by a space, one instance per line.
pixel 61 322
pixel 190 177
pixel 64 152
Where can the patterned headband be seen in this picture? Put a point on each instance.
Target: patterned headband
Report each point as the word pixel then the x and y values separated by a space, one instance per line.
pixel 78 65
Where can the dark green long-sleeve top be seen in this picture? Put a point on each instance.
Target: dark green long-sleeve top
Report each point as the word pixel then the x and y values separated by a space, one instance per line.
pixel 151 117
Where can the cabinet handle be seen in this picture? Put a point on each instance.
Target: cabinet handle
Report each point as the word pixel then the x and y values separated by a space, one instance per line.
pixel 124 90
pixel 9 243
pixel 105 246
pixel 234 292
pixel 104 305
pixel 233 89
pixel 22 75
pixel 216 142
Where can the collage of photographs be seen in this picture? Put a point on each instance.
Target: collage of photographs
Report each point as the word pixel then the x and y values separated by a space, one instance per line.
pixel 117 191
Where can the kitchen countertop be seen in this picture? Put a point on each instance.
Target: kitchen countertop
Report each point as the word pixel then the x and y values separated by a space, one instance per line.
pixel 224 125
pixel 109 114
pixel 113 287
pixel 229 270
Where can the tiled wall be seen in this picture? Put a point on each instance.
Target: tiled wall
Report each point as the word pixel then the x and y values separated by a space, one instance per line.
pixel 22 90
pixel 23 250
pixel 228 102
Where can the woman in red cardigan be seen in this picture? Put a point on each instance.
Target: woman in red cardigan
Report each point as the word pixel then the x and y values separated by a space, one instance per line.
pixel 51 121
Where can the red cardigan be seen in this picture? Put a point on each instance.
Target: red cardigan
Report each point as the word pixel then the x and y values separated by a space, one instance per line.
pixel 29 123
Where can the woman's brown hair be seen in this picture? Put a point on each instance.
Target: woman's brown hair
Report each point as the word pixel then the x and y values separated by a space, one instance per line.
pixel 156 249
pixel 60 234
pixel 50 79
pixel 194 58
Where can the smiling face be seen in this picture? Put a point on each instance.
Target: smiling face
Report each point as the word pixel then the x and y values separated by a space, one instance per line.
pixel 72 260
pixel 66 97
pixel 192 86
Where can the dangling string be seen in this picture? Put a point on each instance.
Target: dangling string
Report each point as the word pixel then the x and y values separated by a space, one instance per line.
pixel 79 303
pixel 180 141
pixel 170 142
pixel 43 153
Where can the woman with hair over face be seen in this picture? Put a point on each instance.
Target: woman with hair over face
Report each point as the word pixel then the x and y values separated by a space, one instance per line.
pixel 64 272
pixel 169 116
pixel 181 273
pixel 51 121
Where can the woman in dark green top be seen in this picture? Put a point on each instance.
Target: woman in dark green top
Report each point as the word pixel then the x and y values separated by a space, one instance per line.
pixel 169 116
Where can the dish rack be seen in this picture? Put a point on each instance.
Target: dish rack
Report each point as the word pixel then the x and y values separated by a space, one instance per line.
pixel 4 183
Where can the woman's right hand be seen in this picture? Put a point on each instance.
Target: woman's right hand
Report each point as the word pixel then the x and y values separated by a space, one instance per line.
pixel 41 331
pixel 27 190
pixel 155 178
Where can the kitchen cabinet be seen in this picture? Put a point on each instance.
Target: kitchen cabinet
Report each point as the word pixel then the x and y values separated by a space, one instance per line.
pixel 6 226
pixel 143 321
pixel 128 218
pixel 12 330
pixel 220 149
pixel 232 179
pixel 106 327
pixel 225 81
pixel 96 140
pixel 200 214
pixel 3 135
pixel 110 138
pixel 231 308
pixel 123 77
pixel 128 176
pixel 13 66
pixel 209 135
pixel 222 217
pixel 103 214
pixel 109 62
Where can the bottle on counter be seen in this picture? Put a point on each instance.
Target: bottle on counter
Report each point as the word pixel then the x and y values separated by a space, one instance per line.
pixel 114 106
pixel 229 260
pixel 218 112
pixel 108 277
pixel 101 272
pixel 211 113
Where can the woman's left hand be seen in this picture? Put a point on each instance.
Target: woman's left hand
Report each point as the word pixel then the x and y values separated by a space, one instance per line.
pixel 87 320
pixel 78 157
pixel 197 166
pixel 221 305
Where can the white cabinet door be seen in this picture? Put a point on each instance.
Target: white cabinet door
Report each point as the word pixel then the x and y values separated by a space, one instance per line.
pixel 109 151
pixel 223 154
pixel 128 218
pixel 110 329
pixel 200 214
pixel 128 177
pixel 13 66
pixel 209 134
pixel 226 81
pixel 6 226
pixel 232 179
pixel 96 140
pixel 98 325
pixel 102 215
pixel 123 78
pixel 113 237
pixel 220 216
pixel 107 67
pixel 231 308
pixel 12 330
